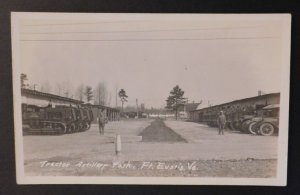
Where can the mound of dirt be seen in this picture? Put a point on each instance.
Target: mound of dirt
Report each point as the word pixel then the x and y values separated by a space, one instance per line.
pixel 159 132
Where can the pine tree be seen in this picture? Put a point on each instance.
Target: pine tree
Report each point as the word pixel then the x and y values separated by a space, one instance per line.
pixel 175 99
pixel 123 97
pixel 89 93
pixel 23 78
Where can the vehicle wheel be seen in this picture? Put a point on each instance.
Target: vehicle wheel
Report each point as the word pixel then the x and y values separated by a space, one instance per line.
pixel 245 126
pixel 62 128
pixel 80 126
pixel 252 128
pixel 266 129
pixel 71 128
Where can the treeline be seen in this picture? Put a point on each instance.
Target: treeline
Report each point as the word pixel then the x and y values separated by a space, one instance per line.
pixel 86 93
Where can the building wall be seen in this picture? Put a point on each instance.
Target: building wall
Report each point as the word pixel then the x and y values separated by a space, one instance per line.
pixel 111 114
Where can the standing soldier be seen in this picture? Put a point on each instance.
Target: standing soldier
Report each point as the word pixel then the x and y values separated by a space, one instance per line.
pixel 101 122
pixel 221 122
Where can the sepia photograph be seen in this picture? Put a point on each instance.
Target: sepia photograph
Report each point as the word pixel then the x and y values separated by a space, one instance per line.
pixel 180 99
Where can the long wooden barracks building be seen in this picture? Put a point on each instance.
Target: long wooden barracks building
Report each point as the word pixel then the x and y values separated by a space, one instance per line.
pixel 34 97
pixel 251 103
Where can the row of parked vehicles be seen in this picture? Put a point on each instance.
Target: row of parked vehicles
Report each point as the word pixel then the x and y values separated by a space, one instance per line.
pixel 263 120
pixel 60 119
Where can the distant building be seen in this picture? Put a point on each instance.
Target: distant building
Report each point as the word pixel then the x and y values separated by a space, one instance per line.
pixel 112 114
pixel 143 107
pixel 185 109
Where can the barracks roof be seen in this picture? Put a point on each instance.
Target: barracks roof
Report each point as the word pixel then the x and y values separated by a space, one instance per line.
pixel 200 107
pixel 57 97
pixel 48 95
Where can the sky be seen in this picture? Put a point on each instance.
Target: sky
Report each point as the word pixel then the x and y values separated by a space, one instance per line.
pixel 211 60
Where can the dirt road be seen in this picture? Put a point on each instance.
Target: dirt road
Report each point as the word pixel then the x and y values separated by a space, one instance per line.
pixel 167 145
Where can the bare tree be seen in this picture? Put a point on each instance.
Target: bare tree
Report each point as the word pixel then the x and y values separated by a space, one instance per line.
pixel 46 87
pixel 64 89
pixel 101 94
pixel 58 89
pixel 68 89
pixel 80 92
pixel 109 99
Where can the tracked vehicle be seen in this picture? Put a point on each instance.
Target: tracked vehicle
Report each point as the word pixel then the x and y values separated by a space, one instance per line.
pixel 57 120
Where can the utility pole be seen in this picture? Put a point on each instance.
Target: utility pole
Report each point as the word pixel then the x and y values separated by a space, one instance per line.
pixel 99 95
pixel 137 108
pixel 116 96
pixel 34 85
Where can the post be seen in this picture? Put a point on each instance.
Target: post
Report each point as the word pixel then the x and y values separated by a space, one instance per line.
pixel 118 144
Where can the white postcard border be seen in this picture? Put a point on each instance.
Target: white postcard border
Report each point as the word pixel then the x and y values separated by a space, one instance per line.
pixel 281 178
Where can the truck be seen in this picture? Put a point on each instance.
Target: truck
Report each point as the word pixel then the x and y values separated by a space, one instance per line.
pixel 267 121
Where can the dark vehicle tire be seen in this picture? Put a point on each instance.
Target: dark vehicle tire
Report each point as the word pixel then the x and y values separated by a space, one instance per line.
pixel 245 126
pixel 61 128
pixel 252 128
pixel 266 129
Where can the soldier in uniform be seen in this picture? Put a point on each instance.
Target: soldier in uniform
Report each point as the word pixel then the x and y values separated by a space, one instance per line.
pixel 221 122
pixel 101 122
